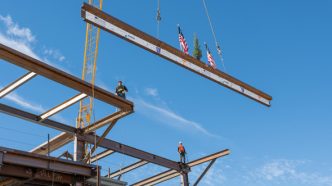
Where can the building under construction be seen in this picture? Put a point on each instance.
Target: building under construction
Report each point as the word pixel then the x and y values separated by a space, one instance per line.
pixel 38 167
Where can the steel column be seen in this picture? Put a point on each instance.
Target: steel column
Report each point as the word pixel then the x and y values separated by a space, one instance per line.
pixel 184 179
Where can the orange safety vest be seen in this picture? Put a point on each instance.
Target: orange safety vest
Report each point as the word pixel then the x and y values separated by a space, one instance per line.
pixel 181 149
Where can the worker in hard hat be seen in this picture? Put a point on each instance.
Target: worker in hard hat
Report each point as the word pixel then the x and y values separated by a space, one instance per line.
pixel 182 152
pixel 121 90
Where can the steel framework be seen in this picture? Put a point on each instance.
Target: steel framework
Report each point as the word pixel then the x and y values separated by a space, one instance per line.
pixel 15 164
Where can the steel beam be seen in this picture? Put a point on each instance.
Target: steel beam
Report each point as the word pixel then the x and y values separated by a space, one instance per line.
pixel 66 137
pixel 158 178
pixel 63 138
pixel 204 172
pixel 21 158
pixel 62 106
pixel 55 143
pixel 30 174
pixel 127 168
pixel 131 151
pixel 96 144
pixel 11 87
pixel 135 36
pixel 15 57
pixel 34 118
pixel 108 119
pixel 171 173
pixel 101 155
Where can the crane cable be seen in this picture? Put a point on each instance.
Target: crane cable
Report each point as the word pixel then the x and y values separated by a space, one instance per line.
pixel 214 36
pixel 158 19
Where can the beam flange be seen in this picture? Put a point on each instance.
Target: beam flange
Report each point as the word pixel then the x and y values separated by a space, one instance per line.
pixel 62 106
pixel 14 85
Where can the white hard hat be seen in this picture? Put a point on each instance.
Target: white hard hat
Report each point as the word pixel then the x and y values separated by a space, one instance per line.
pixel 180 142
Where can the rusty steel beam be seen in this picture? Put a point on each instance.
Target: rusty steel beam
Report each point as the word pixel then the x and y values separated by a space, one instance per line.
pixel 131 151
pixel 35 119
pixel 14 85
pixel 101 155
pixel 21 158
pixel 30 174
pixel 171 173
pixel 128 168
pixel 204 172
pixel 141 39
pixel 62 106
pixel 17 58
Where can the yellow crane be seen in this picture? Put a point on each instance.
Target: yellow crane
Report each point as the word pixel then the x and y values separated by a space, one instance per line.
pixel 89 69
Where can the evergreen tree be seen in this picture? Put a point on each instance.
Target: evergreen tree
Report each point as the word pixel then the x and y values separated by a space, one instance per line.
pixel 197 53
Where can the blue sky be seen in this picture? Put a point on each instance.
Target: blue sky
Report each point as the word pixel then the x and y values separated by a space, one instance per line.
pixel 281 47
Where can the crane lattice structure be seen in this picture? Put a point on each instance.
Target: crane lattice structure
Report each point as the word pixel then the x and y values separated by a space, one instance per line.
pixel 86 112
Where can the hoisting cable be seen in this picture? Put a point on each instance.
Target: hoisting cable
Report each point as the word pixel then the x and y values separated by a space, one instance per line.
pixel 214 36
pixel 158 19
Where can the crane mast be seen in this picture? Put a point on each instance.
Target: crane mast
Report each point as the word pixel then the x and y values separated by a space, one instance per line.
pixel 88 74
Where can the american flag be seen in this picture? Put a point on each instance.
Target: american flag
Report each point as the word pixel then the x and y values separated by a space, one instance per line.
pixel 210 58
pixel 183 43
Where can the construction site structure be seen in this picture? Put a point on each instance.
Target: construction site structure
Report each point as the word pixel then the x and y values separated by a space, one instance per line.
pixel 38 167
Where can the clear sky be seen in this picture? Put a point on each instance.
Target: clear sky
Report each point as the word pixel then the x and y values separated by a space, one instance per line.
pixel 280 47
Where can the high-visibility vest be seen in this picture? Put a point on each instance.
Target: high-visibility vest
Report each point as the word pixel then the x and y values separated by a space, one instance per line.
pixel 121 89
pixel 181 149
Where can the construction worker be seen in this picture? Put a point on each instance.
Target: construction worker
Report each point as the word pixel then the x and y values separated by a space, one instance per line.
pixel 182 152
pixel 121 90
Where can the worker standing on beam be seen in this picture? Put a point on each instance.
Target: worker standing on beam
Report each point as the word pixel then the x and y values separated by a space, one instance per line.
pixel 121 90
pixel 182 152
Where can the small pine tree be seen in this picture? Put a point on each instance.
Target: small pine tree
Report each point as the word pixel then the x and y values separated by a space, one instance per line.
pixel 197 53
